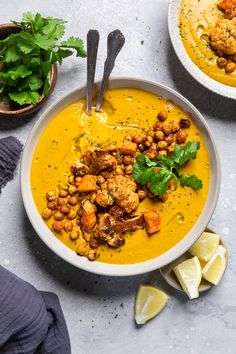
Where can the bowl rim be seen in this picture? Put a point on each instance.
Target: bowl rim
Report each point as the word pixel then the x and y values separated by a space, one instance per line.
pixel 109 269
pixel 28 109
pixel 205 80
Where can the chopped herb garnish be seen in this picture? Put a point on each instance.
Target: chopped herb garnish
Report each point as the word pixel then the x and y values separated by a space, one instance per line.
pixel 167 168
pixel 26 57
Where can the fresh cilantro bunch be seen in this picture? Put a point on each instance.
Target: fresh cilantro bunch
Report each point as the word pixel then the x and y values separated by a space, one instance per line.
pixel 26 58
pixel 166 168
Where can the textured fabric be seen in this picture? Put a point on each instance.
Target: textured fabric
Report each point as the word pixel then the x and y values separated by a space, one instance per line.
pixel 30 321
pixel 10 149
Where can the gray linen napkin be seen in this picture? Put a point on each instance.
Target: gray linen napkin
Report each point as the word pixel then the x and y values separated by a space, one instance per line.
pixel 31 322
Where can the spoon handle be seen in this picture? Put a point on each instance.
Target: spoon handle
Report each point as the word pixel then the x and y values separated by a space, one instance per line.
pixel 115 42
pixel 92 49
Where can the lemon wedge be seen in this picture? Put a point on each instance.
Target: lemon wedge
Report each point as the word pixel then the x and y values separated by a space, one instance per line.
pixel 189 274
pixel 149 302
pixel 205 246
pixel 215 268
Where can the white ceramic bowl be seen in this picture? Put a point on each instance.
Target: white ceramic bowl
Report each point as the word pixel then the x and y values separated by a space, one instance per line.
pixel 190 66
pixel 128 269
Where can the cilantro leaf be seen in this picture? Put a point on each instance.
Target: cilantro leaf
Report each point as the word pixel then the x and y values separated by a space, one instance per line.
pixel 141 173
pixel 26 43
pixel 165 162
pixel 44 42
pixel 75 43
pixel 159 182
pixel 191 181
pixel 38 22
pixel 54 29
pixel 181 156
pixel 61 54
pixel 28 17
pixel 33 82
pixel 17 72
pixel 25 97
pixel 11 55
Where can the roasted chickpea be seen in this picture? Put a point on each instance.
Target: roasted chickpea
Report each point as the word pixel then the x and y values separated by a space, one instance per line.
pixel 120 171
pixel 78 181
pixel 58 215
pixel 74 234
pixel 61 201
pixel 138 139
pixel 92 255
pixel 51 196
pixel 73 200
pixel 151 133
pixel 128 170
pixel 68 226
pixel 127 160
pixel 72 190
pixel 65 209
pixel 181 137
pixel 162 144
pixel 71 179
pixel 142 194
pixel 230 67
pixel 157 126
pixel 234 58
pixel 184 123
pixel 151 153
pixel 148 140
pixel 100 180
pixel 47 213
pixel 150 195
pixel 58 226
pixel 167 129
pixel 164 197
pixel 86 236
pixel 221 62
pixel 169 139
pixel 93 243
pixel 52 205
pixel 63 193
pixel 170 149
pixel 141 147
pixel 81 249
pixel 162 116
pixel 153 146
pixel 159 135
pixel 162 152
pixel 175 128
pixel 72 214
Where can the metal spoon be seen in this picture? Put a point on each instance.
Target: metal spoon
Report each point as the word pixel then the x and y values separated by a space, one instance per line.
pixel 92 49
pixel 115 42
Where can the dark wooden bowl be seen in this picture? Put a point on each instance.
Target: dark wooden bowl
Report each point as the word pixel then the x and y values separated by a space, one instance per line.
pixel 7 111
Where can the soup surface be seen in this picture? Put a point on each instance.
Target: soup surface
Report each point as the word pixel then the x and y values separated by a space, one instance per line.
pixel 125 111
pixel 197 20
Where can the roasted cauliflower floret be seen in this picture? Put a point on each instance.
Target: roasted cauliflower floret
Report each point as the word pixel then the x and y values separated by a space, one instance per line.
pixel 122 190
pixel 223 37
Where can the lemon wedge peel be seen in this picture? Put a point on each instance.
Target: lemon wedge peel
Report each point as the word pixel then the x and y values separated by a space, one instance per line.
pixel 150 301
pixel 205 247
pixel 215 268
pixel 189 275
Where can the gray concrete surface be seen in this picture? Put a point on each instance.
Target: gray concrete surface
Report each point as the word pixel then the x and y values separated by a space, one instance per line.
pixel 99 310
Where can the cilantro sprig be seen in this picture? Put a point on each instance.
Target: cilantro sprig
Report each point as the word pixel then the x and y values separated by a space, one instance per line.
pixel 26 57
pixel 167 168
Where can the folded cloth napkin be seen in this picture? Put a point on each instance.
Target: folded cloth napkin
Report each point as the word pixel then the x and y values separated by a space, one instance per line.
pixel 31 322
pixel 10 149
